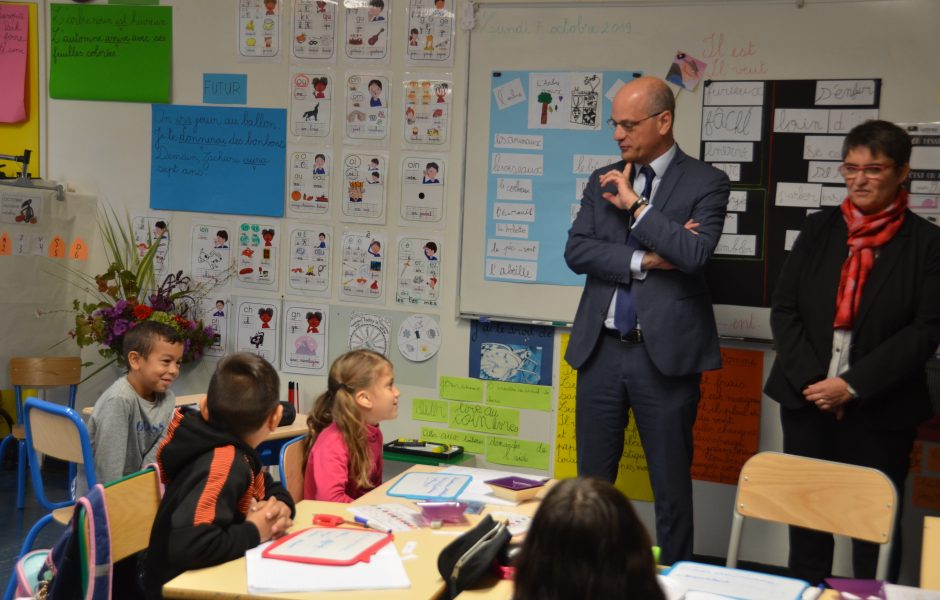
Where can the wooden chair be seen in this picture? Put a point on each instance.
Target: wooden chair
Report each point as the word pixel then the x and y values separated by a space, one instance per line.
pixel 291 467
pixel 37 372
pixel 132 503
pixel 848 500
pixel 930 555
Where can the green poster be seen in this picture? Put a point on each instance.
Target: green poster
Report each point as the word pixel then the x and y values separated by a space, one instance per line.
pixel 485 419
pixel 518 453
pixel 519 395
pixel 111 52
pixel 426 409
pixel 471 442
pixel 461 388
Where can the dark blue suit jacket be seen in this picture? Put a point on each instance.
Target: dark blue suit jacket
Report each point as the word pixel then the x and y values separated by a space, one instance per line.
pixel 673 306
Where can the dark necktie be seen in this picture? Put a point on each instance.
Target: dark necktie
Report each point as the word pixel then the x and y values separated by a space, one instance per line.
pixel 624 309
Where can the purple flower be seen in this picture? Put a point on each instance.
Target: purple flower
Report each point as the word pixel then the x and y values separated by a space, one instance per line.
pixel 119 307
pixel 120 327
pixel 209 331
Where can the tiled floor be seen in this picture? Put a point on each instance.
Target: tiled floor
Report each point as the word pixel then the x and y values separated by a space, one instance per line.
pixel 15 524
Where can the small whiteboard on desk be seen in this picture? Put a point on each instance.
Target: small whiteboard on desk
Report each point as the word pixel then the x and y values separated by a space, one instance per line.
pixel 430 486
pixel 736 583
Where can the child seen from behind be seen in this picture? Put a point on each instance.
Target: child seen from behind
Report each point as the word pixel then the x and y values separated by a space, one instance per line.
pixel 586 541
pixel 344 444
pixel 219 499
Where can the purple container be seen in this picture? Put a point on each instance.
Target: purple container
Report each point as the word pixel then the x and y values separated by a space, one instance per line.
pixel 445 512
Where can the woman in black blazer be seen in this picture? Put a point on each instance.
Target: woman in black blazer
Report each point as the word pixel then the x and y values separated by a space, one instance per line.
pixel 855 317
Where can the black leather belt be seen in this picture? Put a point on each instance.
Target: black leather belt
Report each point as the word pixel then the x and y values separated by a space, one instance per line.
pixel 634 336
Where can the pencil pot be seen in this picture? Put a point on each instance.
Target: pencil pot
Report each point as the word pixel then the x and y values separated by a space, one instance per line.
pixel 465 560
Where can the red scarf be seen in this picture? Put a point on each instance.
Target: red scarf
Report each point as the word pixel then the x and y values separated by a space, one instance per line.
pixel 866 232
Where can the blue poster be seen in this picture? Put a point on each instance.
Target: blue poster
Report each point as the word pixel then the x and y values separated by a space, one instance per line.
pixel 513 352
pixel 548 133
pixel 218 159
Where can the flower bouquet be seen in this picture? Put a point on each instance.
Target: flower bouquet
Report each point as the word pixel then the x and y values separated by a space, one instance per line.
pixel 127 294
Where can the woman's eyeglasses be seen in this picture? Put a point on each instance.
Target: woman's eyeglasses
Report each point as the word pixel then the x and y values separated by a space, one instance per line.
pixel 850 171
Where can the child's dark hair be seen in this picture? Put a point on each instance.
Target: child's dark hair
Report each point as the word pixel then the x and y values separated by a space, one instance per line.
pixel 586 541
pixel 351 372
pixel 141 337
pixel 222 234
pixel 243 392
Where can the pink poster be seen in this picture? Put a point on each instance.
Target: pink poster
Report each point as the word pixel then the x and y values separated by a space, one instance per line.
pixel 14 27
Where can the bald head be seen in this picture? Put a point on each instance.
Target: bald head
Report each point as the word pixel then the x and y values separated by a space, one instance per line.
pixel 647 103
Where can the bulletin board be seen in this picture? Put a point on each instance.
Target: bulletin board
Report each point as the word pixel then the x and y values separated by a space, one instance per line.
pixel 24 135
pixel 813 42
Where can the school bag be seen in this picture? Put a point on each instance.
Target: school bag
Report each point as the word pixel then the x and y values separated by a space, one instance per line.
pixel 60 573
pixel 466 559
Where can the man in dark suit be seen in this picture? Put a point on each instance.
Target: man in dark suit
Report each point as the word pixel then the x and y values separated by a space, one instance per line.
pixel 645 330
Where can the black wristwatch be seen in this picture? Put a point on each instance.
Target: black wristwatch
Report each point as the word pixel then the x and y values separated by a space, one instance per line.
pixel 636 205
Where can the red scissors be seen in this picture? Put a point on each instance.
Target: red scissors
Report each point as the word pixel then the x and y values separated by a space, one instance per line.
pixel 324 520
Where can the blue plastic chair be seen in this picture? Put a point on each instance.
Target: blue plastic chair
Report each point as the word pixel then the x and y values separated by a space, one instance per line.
pixel 56 431
pixel 291 467
pixel 37 372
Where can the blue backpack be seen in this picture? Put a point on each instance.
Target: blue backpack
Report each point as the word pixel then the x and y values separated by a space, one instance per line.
pixel 63 572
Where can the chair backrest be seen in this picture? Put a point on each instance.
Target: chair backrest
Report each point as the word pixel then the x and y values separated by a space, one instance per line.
pixel 132 507
pixel 46 370
pixel 292 467
pixel 848 500
pixel 59 432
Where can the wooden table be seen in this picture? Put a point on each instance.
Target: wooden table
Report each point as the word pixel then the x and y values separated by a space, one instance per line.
pixel 229 580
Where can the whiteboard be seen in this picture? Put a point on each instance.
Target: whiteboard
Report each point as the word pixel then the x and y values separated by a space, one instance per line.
pixel 759 41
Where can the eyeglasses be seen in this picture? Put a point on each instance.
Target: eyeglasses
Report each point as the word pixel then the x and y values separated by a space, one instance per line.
pixel 628 126
pixel 850 171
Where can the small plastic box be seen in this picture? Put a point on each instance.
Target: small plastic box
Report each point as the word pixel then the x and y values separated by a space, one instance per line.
pixel 515 488
pixel 445 512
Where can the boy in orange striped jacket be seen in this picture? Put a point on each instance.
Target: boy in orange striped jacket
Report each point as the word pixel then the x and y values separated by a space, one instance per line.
pixel 219 500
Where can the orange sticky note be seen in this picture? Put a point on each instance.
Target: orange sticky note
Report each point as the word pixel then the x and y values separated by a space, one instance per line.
pixel 57 248
pixel 78 250
pixel 5 246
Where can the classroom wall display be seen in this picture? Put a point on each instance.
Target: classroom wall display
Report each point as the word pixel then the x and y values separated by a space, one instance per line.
pixel 152 229
pixel 780 142
pixel 377 329
pixel 367 106
pixel 430 32
pixel 257 325
pixel 211 253
pixel 21 205
pixel 259 29
pixel 305 336
pixel 24 134
pixel 363 272
pixel 310 176
pixel 419 337
pixel 420 261
pixel 311 102
pixel 110 52
pixel 546 138
pixel 924 180
pixel 313 30
pixel 256 261
pixel 368 27
pixel 422 190
pixel 214 311
pixel 310 248
pixel 218 159
pixel 426 110
pixel 567 38
pixel 364 178
pixel 512 352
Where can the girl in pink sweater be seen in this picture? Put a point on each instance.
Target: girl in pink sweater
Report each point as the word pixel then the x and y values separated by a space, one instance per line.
pixel 344 444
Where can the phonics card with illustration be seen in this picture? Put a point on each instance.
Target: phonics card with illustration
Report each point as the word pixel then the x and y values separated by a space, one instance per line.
pixel 309 189
pixel 314 30
pixel 430 32
pixel 211 253
pixel 311 102
pixel 153 229
pixel 257 321
pixel 367 29
pixel 259 28
pixel 256 258
pixel 422 189
pixel 367 106
pixel 214 310
pixel 419 271
pixel 364 176
pixel 426 111
pixel 363 273
pixel 305 338
pixel 309 264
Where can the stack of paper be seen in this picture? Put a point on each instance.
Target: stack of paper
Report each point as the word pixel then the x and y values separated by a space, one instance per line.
pixel 710 581
pixel 384 571
pixel 389 517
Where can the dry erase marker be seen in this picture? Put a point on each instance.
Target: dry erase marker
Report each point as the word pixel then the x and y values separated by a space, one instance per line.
pixel 366 522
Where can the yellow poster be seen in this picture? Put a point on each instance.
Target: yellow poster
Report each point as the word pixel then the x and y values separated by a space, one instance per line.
pixel 17 137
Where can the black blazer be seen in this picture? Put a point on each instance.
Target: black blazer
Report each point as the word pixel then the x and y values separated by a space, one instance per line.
pixel 673 307
pixel 896 331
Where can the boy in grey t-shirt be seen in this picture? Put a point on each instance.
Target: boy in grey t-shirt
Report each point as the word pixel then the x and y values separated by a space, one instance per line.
pixel 131 417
